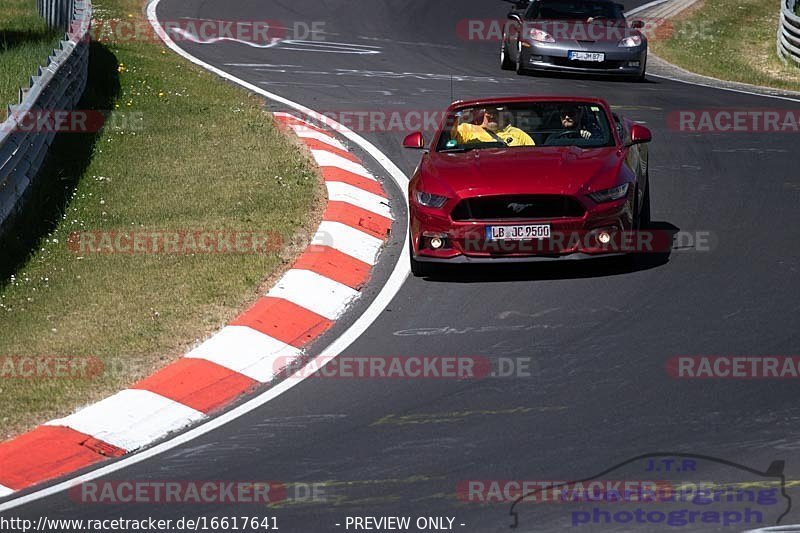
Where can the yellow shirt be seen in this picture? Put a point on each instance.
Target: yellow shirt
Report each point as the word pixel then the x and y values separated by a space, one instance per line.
pixel 471 133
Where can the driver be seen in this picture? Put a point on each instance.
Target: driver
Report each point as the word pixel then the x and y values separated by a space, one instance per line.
pixel 571 122
pixel 494 126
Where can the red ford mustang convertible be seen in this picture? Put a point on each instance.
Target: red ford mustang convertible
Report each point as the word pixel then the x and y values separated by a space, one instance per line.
pixel 524 179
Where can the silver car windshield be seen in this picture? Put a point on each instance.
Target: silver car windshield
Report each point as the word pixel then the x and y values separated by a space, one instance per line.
pixel 573 10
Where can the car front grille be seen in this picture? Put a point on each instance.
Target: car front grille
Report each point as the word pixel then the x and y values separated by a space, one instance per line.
pixel 604 65
pixel 517 207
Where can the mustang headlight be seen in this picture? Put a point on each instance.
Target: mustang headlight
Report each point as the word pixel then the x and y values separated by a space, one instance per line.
pixel 429 200
pixel 541 36
pixel 630 42
pixel 609 195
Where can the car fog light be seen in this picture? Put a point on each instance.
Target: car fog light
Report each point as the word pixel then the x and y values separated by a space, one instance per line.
pixel 436 243
pixel 633 63
pixel 604 237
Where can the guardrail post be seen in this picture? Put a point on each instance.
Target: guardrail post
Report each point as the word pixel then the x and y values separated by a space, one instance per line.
pixel 789 33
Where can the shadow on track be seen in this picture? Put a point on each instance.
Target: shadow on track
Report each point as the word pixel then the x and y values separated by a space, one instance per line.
pixel 553 270
pixel 582 76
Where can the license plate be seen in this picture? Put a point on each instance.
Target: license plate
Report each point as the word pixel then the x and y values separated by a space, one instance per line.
pixel 587 56
pixel 517 233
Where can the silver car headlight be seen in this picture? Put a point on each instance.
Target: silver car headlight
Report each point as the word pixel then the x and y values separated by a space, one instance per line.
pixel 609 195
pixel 630 42
pixel 540 36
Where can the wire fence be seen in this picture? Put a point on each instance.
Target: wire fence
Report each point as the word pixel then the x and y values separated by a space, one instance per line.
pixel 789 32
pixel 56 88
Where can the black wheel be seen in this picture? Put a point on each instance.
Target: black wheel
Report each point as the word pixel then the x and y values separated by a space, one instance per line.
pixel 518 65
pixel 644 215
pixel 642 77
pixel 419 269
pixel 505 61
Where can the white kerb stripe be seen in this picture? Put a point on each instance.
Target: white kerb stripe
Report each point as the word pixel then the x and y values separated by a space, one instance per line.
pixel 131 419
pixel 308 133
pixel 246 351
pixel 329 159
pixel 5 491
pixel 316 293
pixel 348 240
pixel 339 191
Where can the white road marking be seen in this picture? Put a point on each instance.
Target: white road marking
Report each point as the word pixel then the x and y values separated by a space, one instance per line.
pixel 195 39
pixel 315 292
pixel 131 419
pixel 246 351
pixel 5 491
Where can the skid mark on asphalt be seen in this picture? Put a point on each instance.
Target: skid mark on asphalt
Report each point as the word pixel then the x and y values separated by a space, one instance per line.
pixel 458 416
pixel 465 330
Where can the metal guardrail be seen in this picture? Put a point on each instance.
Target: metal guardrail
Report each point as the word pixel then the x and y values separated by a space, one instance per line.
pixel 57 13
pixel 789 33
pixel 57 87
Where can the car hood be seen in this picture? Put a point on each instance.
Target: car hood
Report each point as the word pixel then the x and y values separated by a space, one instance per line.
pixel 547 170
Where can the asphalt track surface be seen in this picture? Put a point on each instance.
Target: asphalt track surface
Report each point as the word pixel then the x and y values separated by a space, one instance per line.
pixel 598 333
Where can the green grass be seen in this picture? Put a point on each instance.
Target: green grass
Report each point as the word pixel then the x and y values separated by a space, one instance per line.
pixel 732 41
pixel 25 44
pixel 198 154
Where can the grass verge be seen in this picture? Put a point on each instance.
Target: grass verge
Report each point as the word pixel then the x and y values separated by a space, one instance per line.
pixel 182 151
pixel 25 43
pixel 730 41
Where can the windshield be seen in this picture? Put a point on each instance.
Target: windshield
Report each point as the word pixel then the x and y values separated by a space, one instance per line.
pixel 573 10
pixel 529 124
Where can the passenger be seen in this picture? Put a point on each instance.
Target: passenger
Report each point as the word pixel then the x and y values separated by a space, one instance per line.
pixel 494 125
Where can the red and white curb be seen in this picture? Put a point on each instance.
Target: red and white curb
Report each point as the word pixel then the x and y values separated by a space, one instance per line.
pixel 253 349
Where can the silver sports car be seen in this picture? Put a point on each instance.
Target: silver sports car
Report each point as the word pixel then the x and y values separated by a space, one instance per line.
pixel 581 36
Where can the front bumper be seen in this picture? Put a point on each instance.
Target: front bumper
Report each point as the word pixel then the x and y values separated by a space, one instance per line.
pixel 622 62
pixel 571 238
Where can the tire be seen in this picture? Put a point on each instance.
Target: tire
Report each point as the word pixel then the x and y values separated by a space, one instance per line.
pixel 518 64
pixel 505 61
pixel 418 268
pixel 643 76
pixel 644 215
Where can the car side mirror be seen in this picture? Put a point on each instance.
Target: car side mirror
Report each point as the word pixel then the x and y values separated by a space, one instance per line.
pixel 640 134
pixel 637 24
pixel 414 140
